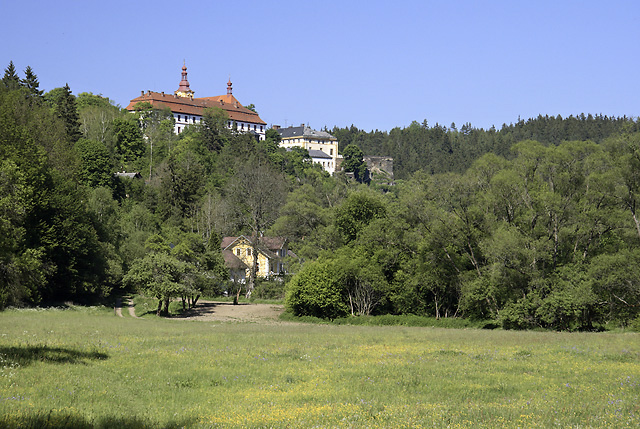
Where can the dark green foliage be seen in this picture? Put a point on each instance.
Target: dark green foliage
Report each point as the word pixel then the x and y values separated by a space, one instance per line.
pixel 269 289
pixel 88 99
pixel 182 184
pixel 64 104
pixel 55 253
pixel 356 212
pixel 95 163
pixel 215 134
pixel 160 275
pixel 317 291
pixel 129 141
pixel 10 80
pixel 535 225
pixel 31 83
pixel 354 163
pixel 438 149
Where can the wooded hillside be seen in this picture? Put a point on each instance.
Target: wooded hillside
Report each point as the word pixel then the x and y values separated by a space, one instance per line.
pixel 532 225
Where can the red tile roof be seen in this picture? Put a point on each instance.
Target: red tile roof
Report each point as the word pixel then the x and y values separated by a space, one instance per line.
pixel 196 106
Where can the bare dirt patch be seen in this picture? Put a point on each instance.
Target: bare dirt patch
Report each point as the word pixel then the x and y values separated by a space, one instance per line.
pixel 227 312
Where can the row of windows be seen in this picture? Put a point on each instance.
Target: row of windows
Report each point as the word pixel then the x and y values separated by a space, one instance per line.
pixel 239 251
pixel 255 127
pixel 281 252
pixel 186 119
pixel 311 141
pixel 194 118
pixel 241 126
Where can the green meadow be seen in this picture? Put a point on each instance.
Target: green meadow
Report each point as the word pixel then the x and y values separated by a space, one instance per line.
pixel 85 367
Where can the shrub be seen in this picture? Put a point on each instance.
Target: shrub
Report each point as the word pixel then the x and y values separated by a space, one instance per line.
pixel 317 291
pixel 269 289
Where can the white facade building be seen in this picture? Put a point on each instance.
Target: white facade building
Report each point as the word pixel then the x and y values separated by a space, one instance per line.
pixel 322 146
pixel 188 110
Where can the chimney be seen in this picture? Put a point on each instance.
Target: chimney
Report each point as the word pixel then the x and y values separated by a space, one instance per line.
pixel 141 93
pixel 275 127
pixel 163 93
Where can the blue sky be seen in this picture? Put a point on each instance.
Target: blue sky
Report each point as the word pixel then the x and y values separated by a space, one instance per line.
pixel 374 64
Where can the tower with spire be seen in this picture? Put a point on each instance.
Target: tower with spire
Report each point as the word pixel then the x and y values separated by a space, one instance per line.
pixel 183 89
pixel 188 110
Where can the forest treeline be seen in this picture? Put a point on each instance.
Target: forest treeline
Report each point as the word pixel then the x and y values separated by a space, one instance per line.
pixel 535 225
pixel 440 149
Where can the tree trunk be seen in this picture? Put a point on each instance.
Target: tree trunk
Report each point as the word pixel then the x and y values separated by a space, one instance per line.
pixel 237 297
pixel 637 222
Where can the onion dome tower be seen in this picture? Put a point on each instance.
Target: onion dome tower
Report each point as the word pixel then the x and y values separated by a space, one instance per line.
pixel 183 89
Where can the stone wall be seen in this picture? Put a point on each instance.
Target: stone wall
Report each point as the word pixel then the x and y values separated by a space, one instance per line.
pixel 380 165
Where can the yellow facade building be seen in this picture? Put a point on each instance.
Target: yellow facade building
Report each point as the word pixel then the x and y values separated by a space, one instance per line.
pixel 270 254
pixel 322 146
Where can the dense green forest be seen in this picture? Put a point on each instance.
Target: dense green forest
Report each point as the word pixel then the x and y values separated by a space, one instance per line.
pixel 533 225
pixel 438 149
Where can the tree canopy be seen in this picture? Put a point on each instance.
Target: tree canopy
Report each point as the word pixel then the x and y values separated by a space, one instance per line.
pixel 535 225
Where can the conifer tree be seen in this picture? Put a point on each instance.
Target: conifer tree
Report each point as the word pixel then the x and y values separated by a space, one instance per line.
pixel 31 82
pixel 10 79
pixel 66 109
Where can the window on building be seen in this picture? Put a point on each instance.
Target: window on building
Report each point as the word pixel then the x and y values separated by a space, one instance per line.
pixel 261 128
pixel 179 117
pixel 331 152
pixel 238 252
pixel 178 130
pixel 249 251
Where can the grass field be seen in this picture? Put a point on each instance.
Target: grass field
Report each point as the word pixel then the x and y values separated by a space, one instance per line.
pixel 84 367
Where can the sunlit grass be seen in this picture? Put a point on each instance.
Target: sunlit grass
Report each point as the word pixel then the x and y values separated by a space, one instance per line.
pixel 85 367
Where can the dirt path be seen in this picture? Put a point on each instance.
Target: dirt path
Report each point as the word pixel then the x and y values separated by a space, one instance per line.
pixel 132 310
pixel 227 312
pixel 219 312
pixel 118 308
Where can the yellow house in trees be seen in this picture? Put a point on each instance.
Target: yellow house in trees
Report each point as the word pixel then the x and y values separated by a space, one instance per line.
pixel 270 251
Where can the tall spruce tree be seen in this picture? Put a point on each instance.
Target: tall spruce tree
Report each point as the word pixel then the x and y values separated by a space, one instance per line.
pixel 66 110
pixel 30 82
pixel 10 79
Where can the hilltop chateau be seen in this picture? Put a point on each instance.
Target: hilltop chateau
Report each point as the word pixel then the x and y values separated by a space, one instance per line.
pixel 187 109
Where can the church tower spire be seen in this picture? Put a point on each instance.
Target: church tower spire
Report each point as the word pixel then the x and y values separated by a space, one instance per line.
pixel 183 89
